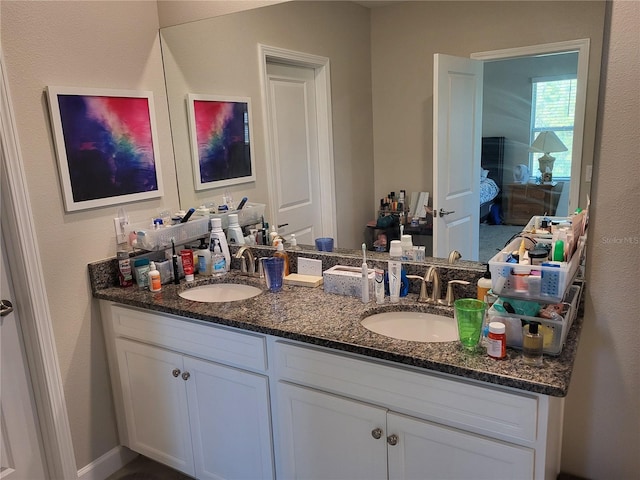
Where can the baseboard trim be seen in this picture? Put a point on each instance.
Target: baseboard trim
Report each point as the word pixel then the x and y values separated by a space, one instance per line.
pixel 107 464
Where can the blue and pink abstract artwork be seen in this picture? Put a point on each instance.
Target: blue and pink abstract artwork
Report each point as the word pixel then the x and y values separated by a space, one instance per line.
pixel 223 142
pixel 108 142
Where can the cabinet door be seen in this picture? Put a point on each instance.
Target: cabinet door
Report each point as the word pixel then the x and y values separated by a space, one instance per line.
pixel 230 421
pixel 155 403
pixel 426 450
pixel 329 437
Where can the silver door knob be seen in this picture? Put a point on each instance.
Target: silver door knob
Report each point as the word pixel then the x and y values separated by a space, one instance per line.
pixel 442 212
pixel 392 439
pixel 376 433
pixel 186 375
pixel 175 372
pixel 6 307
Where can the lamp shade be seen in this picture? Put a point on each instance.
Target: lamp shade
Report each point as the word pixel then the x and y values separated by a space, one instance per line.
pixel 548 142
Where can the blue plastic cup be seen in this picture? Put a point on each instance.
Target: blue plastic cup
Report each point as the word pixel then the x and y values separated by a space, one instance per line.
pixel 324 244
pixel 273 272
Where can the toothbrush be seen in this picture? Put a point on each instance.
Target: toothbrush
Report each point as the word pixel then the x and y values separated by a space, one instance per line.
pixel 365 275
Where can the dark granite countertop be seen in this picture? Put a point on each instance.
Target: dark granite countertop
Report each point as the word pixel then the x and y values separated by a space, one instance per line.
pixel 309 315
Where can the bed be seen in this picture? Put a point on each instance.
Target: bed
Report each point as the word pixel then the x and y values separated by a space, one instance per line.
pixel 491 181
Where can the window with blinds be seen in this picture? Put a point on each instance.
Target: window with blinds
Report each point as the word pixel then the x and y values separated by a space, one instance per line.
pixel 553 108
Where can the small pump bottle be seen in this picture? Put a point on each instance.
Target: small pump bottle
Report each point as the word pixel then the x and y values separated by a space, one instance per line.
pixel 218 261
pixel 532 344
pixel 155 284
pixel 218 233
pixel 484 285
pixel 281 253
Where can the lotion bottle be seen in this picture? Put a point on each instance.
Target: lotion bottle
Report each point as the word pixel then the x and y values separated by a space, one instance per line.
pixel 155 284
pixel 218 233
pixel 281 253
pixel 218 261
pixel 395 270
pixel 234 232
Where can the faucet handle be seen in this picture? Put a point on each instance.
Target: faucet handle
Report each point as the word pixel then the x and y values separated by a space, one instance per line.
pixel 450 297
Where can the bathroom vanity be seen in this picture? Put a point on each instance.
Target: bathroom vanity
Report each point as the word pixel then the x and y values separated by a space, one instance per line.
pixel 291 385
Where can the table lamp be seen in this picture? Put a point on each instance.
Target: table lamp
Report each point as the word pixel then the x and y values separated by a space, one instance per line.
pixel 547 142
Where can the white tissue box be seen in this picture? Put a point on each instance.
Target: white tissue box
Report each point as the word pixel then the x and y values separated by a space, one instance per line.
pixel 343 280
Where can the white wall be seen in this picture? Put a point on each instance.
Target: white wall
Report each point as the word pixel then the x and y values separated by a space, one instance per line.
pixel 602 411
pixel 80 44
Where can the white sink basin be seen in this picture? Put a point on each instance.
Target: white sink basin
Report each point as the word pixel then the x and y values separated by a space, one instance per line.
pixel 415 326
pixel 221 292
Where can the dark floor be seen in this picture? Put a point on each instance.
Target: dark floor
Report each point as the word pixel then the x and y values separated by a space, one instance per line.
pixel 143 468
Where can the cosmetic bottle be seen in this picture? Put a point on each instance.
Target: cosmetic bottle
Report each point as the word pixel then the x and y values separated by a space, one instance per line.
pixel 395 270
pixel 218 260
pixel 294 243
pixel 234 232
pixel 155 284
pixel 532 344
pixel 282 254
pixel 484 285
pixel 379 286
pixel 218 233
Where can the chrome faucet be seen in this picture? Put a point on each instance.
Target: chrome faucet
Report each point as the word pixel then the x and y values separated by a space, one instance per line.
pixel 246 259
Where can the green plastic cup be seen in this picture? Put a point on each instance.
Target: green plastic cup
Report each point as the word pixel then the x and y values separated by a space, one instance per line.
pixel 469 314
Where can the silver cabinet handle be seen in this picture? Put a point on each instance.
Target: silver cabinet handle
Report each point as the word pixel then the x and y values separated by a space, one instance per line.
pixel 442 212
pixel 186 375
pixel 6 307
pixel 175 372
pixel 376 433
pixel 392 439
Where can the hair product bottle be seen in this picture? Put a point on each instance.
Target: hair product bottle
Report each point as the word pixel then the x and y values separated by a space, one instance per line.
pixel 532 343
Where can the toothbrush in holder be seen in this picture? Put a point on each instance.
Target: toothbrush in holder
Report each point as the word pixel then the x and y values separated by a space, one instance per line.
pixel 365 275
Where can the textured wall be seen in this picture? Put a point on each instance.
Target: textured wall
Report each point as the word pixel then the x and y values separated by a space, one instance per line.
pixel 602 411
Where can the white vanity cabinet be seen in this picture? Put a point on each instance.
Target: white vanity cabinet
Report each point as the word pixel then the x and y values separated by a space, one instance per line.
pixel 184 396
pixel 342 417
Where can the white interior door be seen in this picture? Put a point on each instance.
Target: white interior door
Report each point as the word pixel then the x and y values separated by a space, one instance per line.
pixel 457 131
pixel 295 174
pixel 21 454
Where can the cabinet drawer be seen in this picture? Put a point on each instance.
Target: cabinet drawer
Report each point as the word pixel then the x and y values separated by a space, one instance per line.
pixel 488 411
pixel 209 342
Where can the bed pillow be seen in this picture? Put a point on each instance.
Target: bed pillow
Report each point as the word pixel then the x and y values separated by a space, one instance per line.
pixel 483 174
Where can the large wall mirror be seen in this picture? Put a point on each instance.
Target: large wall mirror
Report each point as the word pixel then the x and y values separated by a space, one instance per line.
pixel 381 84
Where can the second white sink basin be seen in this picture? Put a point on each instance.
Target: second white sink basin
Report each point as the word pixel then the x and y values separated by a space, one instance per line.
pixel 221 292
pixel 415 326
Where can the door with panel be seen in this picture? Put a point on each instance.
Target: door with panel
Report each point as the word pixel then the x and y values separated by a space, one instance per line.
pixel 421 449
pixel 155 403
pixel 230 421
pixel 329 437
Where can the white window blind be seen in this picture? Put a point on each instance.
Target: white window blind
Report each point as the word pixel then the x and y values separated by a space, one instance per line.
pixel 553 108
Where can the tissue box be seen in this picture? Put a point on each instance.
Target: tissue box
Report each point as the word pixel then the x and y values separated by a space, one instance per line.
pixel 344 280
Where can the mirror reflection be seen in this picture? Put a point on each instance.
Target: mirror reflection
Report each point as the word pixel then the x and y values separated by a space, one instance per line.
pixel 368 73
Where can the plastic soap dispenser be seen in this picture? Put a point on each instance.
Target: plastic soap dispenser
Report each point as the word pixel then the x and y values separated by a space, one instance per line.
pixel 218 233
pixel 234 232
pixel 282 254
pixel 218 261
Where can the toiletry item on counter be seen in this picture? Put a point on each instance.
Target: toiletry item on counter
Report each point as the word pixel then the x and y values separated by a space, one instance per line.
pixel 187 216
pixel 407 247
pixel 282 254
pixel 379 285
pixel 365 275
pixel 242 202
pixel 187 264
pixel 155 284
pixel 234 232
pixel 141 272
pixel 484 285
pixel 174 262
pixel 294 242
pixel 395 270
pixel 522 251
pixel 203 258
pixel 497 340
pixel 532 345
pixel 273 234
pixel 218 260
pixel 218 233
pixel 125 277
